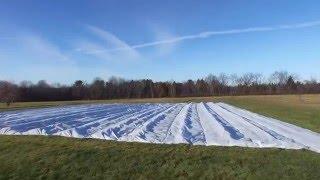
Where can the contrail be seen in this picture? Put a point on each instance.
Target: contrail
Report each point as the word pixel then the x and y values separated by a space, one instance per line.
pixel 207 34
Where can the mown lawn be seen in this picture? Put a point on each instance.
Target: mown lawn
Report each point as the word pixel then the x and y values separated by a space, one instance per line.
pixel 33 157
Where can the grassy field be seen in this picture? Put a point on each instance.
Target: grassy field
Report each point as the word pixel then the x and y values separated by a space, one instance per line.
pixel 32 157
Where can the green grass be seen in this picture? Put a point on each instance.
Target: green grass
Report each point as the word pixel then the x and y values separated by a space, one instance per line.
pixel 34 157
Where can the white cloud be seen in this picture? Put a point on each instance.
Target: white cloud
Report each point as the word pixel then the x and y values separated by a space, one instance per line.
pixel 207 34
pixel 162 33
pixel 111 41
pixel 42 49
pixel 37 58
pixel 87 47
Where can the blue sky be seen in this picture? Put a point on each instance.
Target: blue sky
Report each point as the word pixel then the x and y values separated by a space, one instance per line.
pixel 62 41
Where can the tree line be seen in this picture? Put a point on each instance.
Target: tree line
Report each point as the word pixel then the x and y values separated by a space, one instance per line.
pixel 279 82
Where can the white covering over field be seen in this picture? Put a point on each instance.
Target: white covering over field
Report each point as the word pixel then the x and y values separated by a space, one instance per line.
pixel 194 123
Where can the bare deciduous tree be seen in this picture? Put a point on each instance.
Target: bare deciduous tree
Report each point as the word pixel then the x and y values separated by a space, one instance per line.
pixel 281 82
pixel 8 92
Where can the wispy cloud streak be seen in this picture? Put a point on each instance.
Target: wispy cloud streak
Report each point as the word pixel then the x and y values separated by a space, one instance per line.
pixel 207 34
pixel 111 42
pixel 42 48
